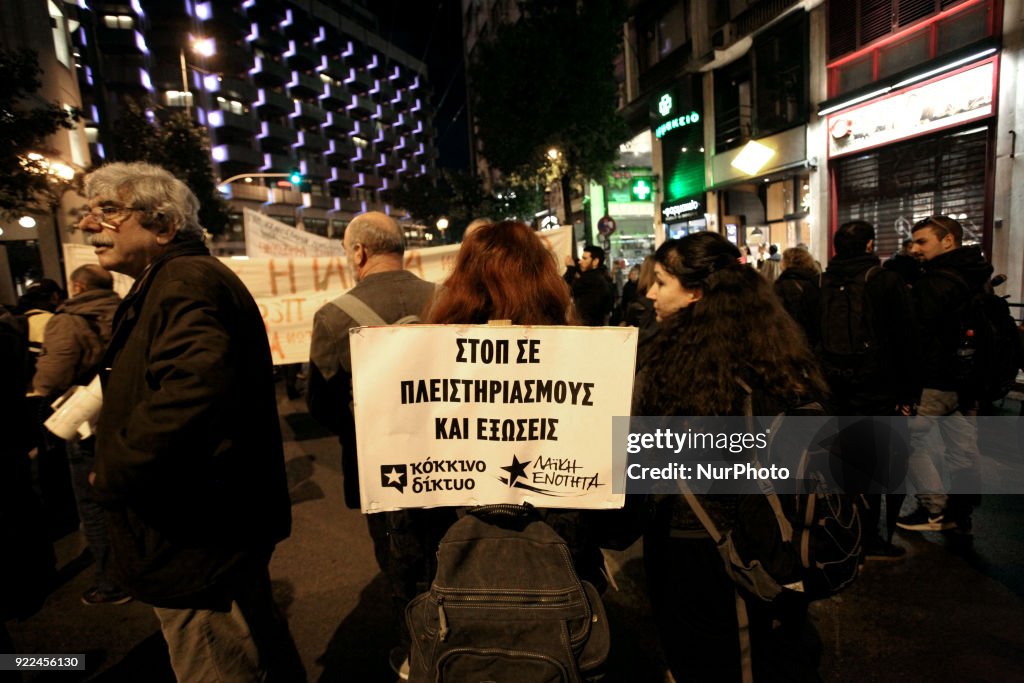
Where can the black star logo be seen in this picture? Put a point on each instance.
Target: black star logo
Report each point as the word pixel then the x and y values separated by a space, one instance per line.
pixel 517 470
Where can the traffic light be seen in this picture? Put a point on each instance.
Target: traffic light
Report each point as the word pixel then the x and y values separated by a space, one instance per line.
pixel 295 177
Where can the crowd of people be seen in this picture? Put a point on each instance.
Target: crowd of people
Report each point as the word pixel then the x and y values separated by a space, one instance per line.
pixel 182 490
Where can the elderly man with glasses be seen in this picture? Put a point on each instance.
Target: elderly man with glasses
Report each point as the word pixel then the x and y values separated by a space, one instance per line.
pixel 189 458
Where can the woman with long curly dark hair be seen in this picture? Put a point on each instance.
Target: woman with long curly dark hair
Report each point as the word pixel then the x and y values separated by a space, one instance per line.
pixel 722 331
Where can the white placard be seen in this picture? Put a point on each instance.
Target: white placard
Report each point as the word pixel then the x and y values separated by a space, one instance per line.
pixel 452 415
pixel 269 238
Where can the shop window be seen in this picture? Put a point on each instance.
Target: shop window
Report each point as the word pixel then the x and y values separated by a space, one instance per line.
pixel 177 98
pixel 964 28
pixel 232 106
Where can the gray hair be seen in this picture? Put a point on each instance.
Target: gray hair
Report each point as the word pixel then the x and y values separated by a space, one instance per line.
pixel 377 232
pixel 92 276
pixel 163 200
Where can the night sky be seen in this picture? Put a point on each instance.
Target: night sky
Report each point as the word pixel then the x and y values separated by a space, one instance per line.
pixel 431 30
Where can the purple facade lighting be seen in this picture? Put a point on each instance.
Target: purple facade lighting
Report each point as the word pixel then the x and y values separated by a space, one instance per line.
pixel 81 3
pixel 295 80
pixel 291 48
pixel 349 50
pixel 351 75
pixel 297 112
pixel 137 8
pixel 323 64
pixel 100 150
pixel 257 67
pixel 203 11
pixel 140 42
pixel 363 202
pixel 401 120
pixel 248 3
pixel 267 163
pixel 289 18
pixel 397 99
pixel 264 131
pixel 211 83
pixel 146 81
pixel 81 37
pixel 216 118
pixel 417 107
pixel 301 140
pixel 376 86
pixel 415 83
pixel 423 169
pixel 303 167
pixel 419 128
pixel 261 96
pixel 378 114
pixel 95 113
pixel 88 77
pixel 355 103
pixel 254 33
pixel 373 63
pixel 220 153
pixel 358 156
pixel 395 74
pixel 188 8
pixel 321 36
pixel 419 150
pixel 356 128
pixel 201 115
pixel 337 202
pixel 383 161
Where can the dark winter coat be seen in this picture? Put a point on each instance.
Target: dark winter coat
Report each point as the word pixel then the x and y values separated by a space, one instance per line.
pixel 76 337
pixel 797 289
pixel 940 302
pixel 593 294
pixel 897 378
pixel 190 464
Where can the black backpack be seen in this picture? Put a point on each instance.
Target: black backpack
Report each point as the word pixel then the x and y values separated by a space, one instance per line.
pixel 788 547
pixel 989 330
pixel 848 344
pixel 808 542
pixel 506 605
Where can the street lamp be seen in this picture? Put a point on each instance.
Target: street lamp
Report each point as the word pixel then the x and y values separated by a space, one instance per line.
pixel 204 47
pixel 442 225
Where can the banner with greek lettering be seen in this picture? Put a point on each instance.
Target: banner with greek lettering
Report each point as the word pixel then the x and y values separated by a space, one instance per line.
pixel 477 414
pixel 289 291
pixel 269 238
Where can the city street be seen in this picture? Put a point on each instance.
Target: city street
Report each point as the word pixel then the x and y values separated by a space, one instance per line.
pixel 942 614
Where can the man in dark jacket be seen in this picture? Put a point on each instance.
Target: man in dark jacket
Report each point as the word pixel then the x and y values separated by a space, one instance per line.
pixel 75 341
pixel 190 464
pixel 593 292
pixel 952 274
pixel 878 380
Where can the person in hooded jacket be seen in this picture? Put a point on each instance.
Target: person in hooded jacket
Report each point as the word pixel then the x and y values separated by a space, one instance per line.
pixel 953 273
pixel 797 289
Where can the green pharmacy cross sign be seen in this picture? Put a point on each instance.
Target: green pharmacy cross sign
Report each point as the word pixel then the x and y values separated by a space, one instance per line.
pixel 641 189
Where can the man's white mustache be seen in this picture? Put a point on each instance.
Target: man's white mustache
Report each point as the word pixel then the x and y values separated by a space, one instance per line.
pixel 100 241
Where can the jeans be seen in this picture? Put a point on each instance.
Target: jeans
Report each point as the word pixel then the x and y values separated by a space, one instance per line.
pixel 247 640
pixel 82 460
pixel 957 450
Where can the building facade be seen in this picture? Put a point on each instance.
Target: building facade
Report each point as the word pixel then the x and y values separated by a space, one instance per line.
pixel 293 85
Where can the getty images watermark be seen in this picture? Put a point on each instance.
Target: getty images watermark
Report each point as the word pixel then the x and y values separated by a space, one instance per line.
pixel 798 454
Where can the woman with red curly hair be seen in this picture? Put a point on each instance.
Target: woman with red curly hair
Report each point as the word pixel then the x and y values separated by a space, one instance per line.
pixel 504 272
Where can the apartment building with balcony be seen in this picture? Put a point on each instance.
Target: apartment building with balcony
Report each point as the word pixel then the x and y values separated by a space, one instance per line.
pixel 283 85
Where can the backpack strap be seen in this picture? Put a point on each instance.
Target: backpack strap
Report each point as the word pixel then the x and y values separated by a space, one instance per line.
pixel 359 311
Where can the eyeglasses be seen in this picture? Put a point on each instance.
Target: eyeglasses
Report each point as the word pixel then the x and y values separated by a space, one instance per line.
pixel 109 216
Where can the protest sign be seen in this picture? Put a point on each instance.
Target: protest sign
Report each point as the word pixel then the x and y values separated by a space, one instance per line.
pixel 475 414
pixel 269 238
pixel 289 290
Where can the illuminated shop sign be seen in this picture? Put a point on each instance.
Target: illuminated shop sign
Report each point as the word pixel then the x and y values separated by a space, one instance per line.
pixel 677 122
pixel 960 98
pixel 682 210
